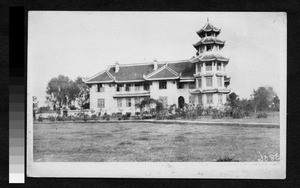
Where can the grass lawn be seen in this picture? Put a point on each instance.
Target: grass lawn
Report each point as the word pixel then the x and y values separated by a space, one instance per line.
pixel 273 117
pixel 130 142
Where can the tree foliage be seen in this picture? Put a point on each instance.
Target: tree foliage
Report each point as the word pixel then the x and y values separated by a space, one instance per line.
pixel 62 91
pixel 83 97
pixel 262 98
pixel 34 106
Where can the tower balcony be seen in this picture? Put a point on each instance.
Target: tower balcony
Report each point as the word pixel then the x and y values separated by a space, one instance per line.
pixel 210 90
pixel 217 73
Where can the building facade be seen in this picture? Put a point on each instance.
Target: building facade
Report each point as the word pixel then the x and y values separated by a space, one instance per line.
pixel 201 80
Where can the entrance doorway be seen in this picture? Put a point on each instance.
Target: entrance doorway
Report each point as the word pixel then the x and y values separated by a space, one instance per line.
pixel 180 102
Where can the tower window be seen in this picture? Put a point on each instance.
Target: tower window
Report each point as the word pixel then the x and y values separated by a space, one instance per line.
pixel 208 66
pixel 208 81
pixel 199 67
pixel 199 82
pixel 219 66
pixel 192 85
pixel 208 47
pixel 219 81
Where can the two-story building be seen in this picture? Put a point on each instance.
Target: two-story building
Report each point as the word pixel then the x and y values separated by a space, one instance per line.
pixel 200 80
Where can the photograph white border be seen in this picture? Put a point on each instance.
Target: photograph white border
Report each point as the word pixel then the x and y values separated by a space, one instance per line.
pixel 238 170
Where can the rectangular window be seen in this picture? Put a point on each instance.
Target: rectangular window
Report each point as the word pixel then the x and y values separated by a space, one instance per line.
pixel 127 87
pixel 199 82
pixel 208 47
pixel 209 98
pixel 200 99
pixel 146 86
pixel 219 81
pixel 208 66
pixel 119 87
pixel 137 87
pixel 100 88
pixel 199 67
pixel 119 102
pixel 180 85
pixel 163 84
pixel 192 99
pixel 220 99
pixel 128 102
pixel 219 67
pixel 192 85
pixel 208 81
pixel 163 100
pixel 101 103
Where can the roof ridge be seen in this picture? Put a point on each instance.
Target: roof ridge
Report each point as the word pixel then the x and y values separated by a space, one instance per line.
pixel 149 63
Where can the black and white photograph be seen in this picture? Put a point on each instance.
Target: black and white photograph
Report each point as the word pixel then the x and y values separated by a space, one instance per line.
pixel 156 94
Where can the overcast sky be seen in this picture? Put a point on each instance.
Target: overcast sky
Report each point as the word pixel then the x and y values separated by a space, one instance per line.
pixel 84 43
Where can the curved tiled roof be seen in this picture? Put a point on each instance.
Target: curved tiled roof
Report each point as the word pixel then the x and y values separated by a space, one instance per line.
pixel 208 27
pixel 135 73
pixel 209 40
pixel 210 57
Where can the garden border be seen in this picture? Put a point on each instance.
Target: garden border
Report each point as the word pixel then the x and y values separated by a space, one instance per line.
pixel 239 124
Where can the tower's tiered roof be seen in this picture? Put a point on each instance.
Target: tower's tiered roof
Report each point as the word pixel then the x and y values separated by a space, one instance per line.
pixel 209 56
pixel 209 40
pixel 207 28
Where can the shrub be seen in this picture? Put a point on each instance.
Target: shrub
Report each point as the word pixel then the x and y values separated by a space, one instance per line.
pixel 119 115
pixel 119 119
pixel 51 118
pixel 237 114
pixel 40 118
pixel 105 116
pixel 136 117
pixel 262 115
pixel 146 116
pixel 83 116
pixel 199 110
pixel 59 118
pixel 94 117
pixel 217 114
pixel 72 108
pixel 125 117
pixel 226 159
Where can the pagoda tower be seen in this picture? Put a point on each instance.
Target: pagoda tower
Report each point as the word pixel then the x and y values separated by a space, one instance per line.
pixel 211 78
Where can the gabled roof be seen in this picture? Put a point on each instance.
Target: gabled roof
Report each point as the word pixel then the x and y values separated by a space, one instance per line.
pixel 163 73
pixel 209 40
pixel 103 76
pixel 208 27
pixel 186 69
pixel 182 69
